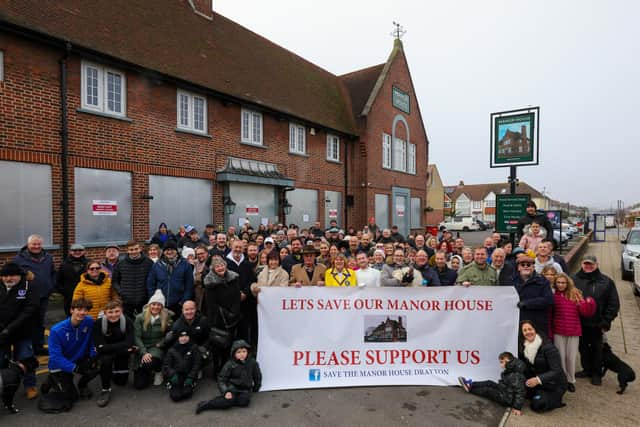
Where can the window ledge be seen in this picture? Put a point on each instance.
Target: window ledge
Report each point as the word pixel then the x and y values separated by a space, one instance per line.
pixel 103 244
pixel 334 161
pixel 298 154
pixel 101 114
pixel 193 132
pixel 250 144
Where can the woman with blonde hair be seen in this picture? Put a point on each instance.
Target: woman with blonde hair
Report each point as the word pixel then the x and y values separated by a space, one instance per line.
pixel 550 273
pixel 569 306
pixel 339 274
pixel 150 328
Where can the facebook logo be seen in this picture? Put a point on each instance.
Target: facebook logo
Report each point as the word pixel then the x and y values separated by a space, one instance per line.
pixel 314 374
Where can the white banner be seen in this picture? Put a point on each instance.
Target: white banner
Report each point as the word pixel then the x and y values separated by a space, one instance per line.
pixel 316 337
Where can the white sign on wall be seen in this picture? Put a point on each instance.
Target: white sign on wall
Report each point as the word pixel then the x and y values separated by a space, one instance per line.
pixel 104 207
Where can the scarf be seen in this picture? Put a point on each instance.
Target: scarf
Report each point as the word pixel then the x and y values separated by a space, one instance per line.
pixel 531 348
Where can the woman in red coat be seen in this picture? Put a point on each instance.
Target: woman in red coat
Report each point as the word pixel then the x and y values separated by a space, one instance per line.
pixel 568 306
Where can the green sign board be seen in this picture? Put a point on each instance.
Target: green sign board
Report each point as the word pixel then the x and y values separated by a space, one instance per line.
pixel 509 209
pixel 514 138
pixel 400 100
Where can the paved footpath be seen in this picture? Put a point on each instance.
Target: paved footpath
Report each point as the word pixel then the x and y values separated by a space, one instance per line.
pixel 601 406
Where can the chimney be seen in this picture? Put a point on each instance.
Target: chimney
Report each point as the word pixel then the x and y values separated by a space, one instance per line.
pixel 203 8
pixel 461 183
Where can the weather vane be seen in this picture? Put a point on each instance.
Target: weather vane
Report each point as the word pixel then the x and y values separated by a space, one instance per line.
pixel 399 31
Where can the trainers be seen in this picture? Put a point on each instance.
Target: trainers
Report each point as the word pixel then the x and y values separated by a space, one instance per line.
pixel 85 393
pixel 465 383
pixel 103 399
pixel 571 387
pixel 157 378
pixel 31 393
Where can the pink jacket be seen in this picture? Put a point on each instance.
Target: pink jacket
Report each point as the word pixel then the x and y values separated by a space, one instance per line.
pixel 566 315
pixel 529 241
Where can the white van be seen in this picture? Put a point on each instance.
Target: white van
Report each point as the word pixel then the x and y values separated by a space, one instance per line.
pixel 461 223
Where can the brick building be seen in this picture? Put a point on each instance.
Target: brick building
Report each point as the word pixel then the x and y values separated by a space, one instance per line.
pixel 113 122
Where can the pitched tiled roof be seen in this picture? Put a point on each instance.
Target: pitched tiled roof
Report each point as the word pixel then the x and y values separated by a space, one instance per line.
pixel 480 191
pixel 360 85
pixel 168 37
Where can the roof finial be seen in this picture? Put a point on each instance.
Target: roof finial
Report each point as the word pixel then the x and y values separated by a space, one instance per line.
pixel 398 31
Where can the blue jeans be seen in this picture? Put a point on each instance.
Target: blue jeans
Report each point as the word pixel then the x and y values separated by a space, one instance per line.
pixel 21 350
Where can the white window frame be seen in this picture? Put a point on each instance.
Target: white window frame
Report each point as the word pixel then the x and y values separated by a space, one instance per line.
pixel 333 148
pixel 191 99
pixel 477 204
pixel 1 65
pixel 102 105
pixel 297 139
pixel 253 119
pixel 386 151
pixel 400 163
pixel 411 158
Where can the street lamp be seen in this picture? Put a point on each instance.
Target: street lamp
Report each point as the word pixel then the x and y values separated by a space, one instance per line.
pixel 229 206
pixel 286 207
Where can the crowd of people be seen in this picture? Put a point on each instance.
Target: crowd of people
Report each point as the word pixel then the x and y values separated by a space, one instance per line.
pixel 188 304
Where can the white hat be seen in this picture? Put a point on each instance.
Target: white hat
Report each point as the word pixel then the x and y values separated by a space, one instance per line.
pixel 186 251
pixel 157 297
pixel 268 240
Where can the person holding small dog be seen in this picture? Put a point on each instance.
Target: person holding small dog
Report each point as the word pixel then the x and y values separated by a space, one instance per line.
pixel 593 283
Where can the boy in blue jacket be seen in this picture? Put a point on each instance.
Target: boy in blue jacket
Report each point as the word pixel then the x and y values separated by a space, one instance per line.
pixel 71 351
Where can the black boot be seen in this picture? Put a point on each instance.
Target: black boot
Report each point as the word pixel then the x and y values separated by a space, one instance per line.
pixel 204 405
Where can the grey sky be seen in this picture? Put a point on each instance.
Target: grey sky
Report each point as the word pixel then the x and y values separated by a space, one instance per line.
pixel 577 60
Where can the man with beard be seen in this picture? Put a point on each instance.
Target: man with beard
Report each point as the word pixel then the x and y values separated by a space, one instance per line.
pixel 69 274
pixel 295 257
pixel 532 214
pixel 18 319
pixel 220 249
pixel 129 279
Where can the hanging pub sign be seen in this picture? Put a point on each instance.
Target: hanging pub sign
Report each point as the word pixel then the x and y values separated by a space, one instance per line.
pixel 514 137
pixel 400 99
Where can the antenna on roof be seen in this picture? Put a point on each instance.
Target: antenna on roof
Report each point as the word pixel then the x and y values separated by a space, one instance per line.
pixel 398 31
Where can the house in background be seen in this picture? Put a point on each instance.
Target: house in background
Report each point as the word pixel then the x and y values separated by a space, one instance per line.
pixel 436 197
pixel 479 200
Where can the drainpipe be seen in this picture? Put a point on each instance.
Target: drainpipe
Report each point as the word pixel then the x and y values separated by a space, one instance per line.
pixel 346 183
pixel 64 139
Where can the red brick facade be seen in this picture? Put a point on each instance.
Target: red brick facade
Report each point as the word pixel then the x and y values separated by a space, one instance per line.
pixel 147 142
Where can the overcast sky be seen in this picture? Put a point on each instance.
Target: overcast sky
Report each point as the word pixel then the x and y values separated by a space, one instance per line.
pixel 577 60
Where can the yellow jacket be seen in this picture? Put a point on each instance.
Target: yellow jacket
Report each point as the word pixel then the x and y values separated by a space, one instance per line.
pixel 99 295
pixel 332 279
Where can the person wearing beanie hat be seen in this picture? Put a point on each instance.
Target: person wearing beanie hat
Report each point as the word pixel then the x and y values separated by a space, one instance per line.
pixel 173 275
pixel 181 367
pixel 18 318
pixel 150 328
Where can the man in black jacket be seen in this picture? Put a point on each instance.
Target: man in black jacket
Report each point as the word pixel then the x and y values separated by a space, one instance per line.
pixel 446 275
pixel 195 324
pixel 113 336
pixel 602 289
pixel 69 274
pixel 237 262
pixel 531 215
pixel 129 279
pixel 504 269
pixel 19 305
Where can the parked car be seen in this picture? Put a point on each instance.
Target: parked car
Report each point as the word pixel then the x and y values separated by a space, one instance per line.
pixel 630 252
pixel 570 228
pixel 561 240
pixel 461 223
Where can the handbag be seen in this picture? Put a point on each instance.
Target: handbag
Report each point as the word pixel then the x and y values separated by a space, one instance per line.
pixel 221 338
